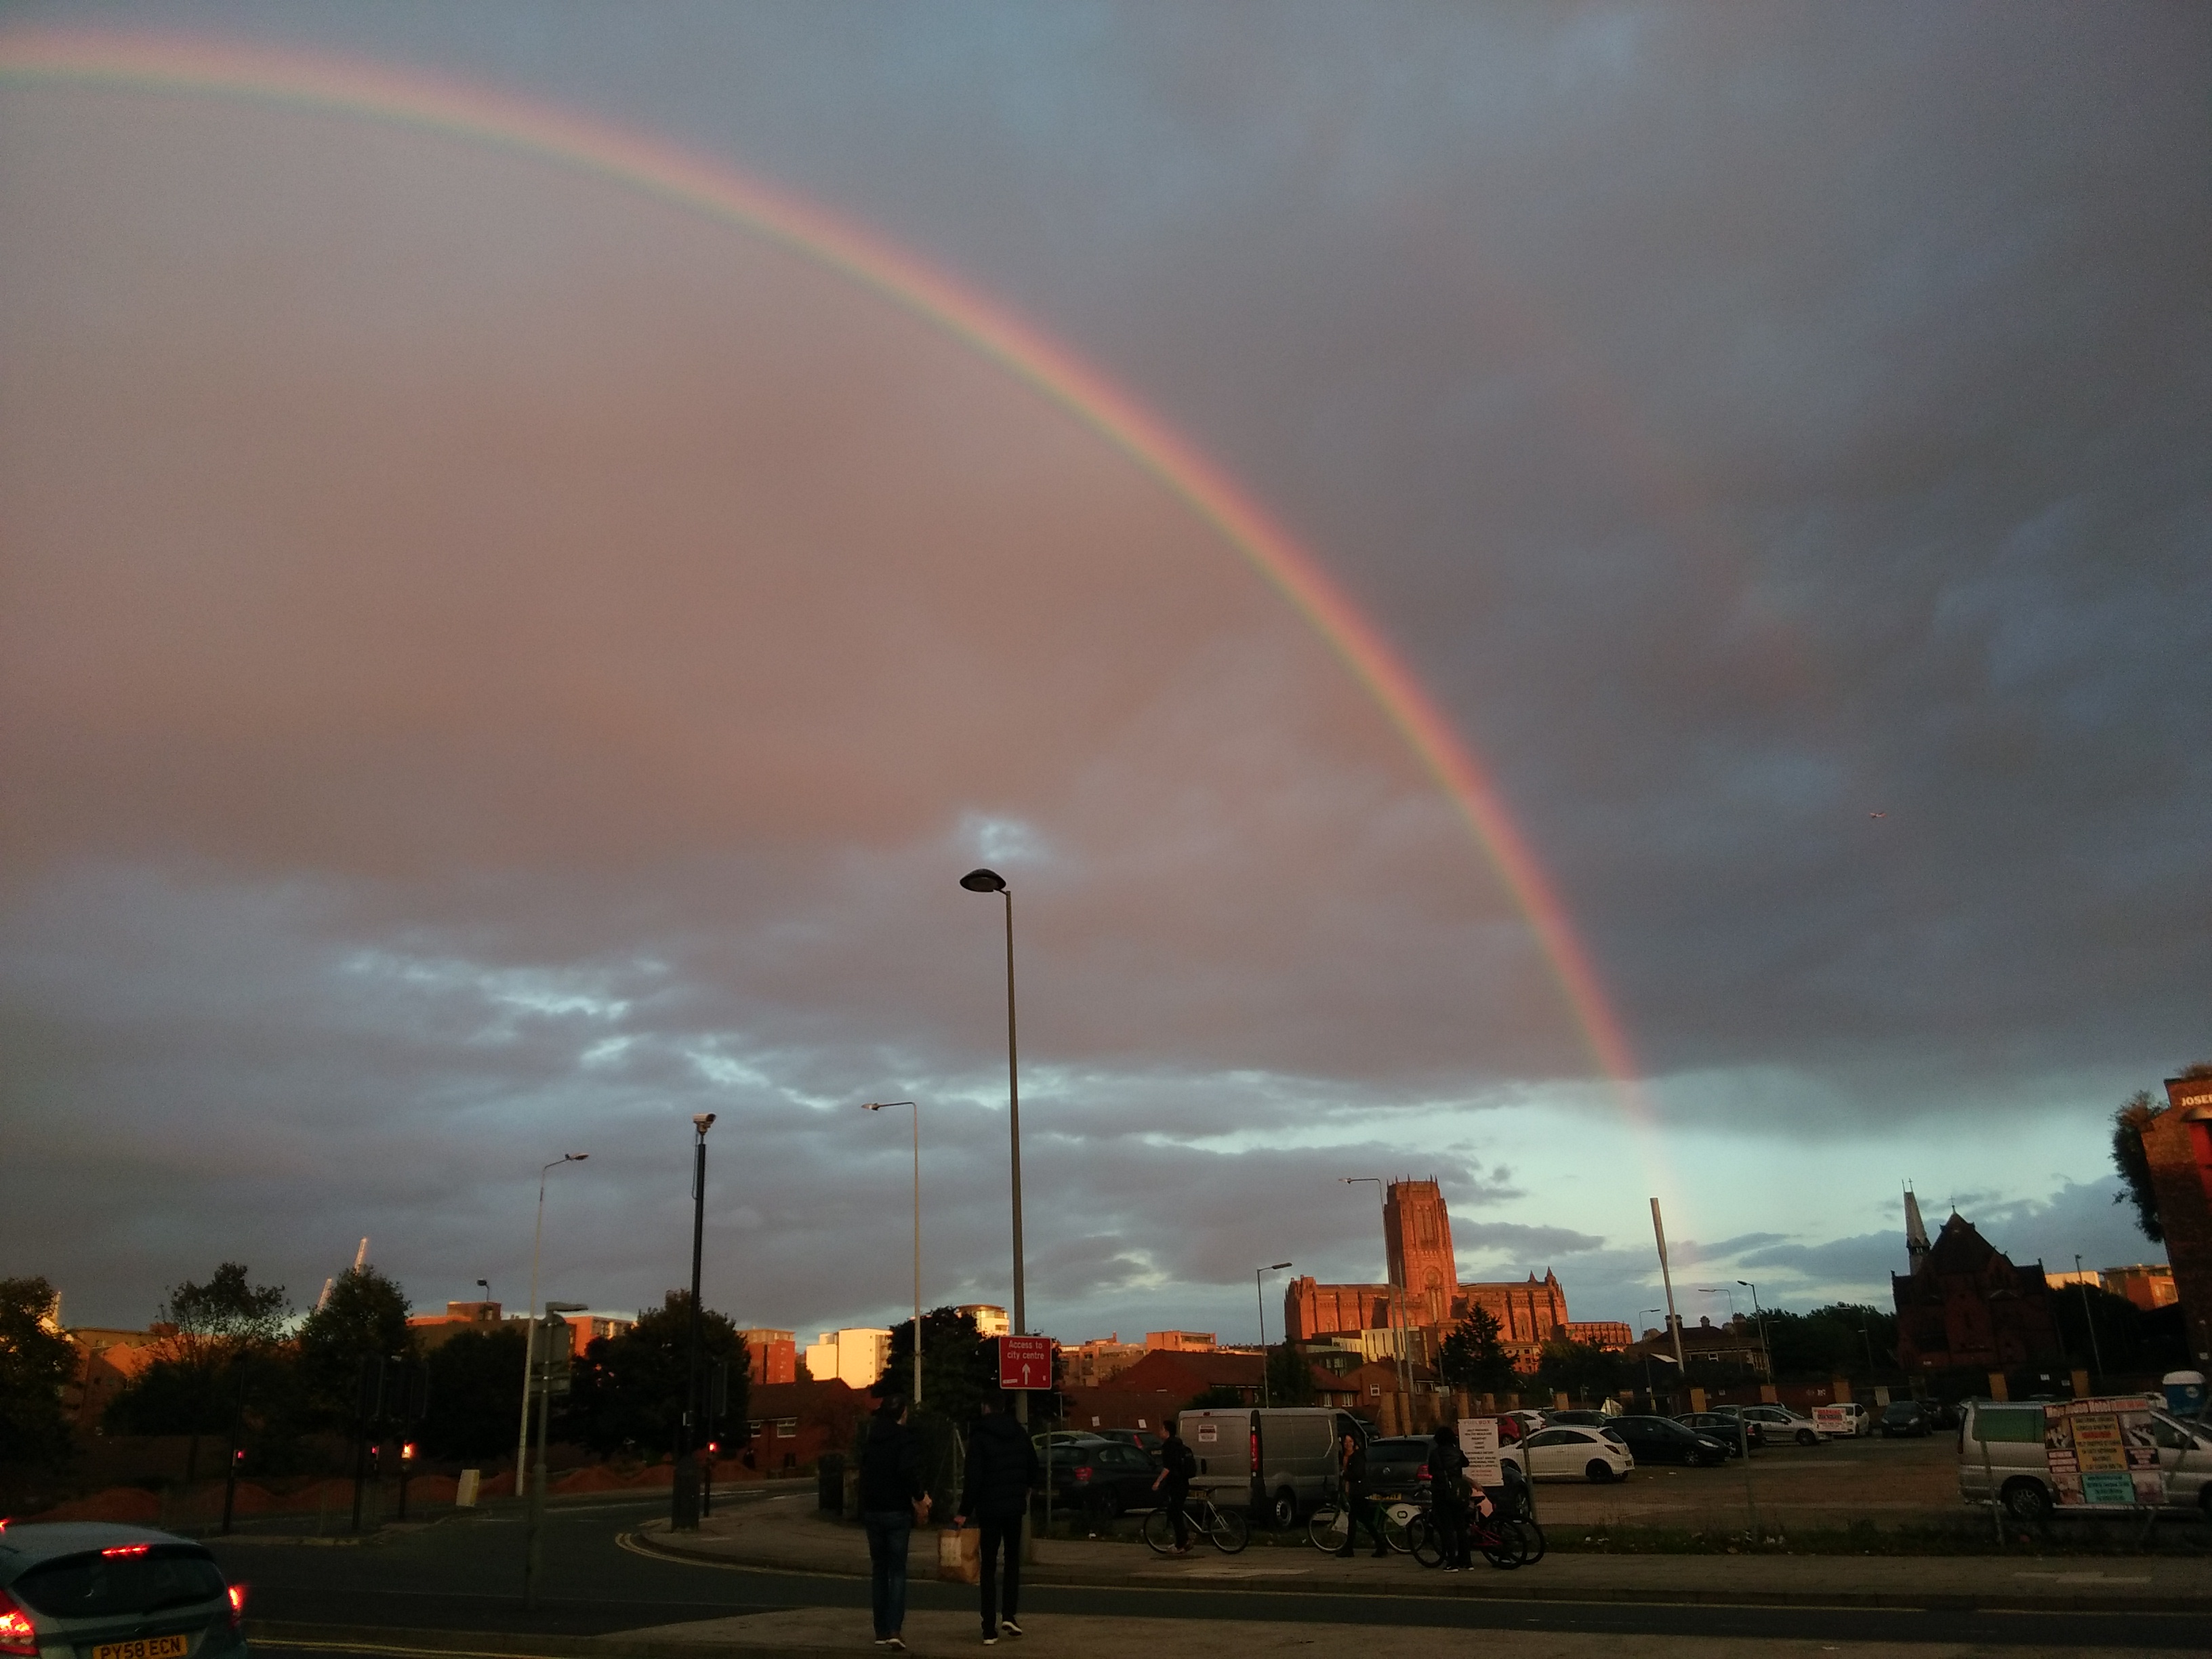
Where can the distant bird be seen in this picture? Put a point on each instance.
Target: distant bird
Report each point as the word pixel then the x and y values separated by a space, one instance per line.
pixel 1877 815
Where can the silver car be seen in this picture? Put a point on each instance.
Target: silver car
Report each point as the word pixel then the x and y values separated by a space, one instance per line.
pixel 90 1589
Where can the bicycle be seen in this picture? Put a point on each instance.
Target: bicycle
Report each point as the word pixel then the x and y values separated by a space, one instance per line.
pixel 1503 1542
pixel 1329 1530
pixel 1227 1530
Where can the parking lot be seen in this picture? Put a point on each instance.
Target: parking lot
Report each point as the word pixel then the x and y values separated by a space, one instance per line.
pixel 1891 1483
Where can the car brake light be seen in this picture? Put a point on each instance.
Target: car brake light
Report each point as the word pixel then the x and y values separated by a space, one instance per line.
pixel 126 1549
pixel 1421 1473
pixel 237 1595
pixel 1082 1472
pixel 1255 1448
pixel 16 1635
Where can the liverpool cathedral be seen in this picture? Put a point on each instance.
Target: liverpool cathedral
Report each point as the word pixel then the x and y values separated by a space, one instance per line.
pixel 1425 1293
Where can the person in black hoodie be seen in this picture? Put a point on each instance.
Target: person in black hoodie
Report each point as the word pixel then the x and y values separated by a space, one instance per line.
pixel 894 1500
pixel 1002 1472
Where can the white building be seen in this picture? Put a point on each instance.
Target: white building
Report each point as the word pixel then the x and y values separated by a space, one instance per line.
pixel 854 1355
pixel 990 1319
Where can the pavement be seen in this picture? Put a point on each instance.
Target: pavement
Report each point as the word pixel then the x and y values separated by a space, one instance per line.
pixel 787 1532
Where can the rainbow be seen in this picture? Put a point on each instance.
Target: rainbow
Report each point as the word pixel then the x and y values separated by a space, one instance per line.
pixel 416 98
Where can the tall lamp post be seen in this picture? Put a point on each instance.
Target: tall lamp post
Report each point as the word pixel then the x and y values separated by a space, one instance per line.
pixel 1267 1385
pixel 2089 1316
pixel 990 881
pixel 1765 1354
pixel 685 1515
pixel 530 1343
pixel 878 1106
pixel 1398 1338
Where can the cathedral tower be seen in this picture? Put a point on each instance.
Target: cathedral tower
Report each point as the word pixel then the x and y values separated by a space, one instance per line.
pixel 1417 1242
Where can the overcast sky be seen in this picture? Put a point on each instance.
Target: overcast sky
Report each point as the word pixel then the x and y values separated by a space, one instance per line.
pixel 494 663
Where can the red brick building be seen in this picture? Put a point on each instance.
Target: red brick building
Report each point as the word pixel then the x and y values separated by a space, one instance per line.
pixel 789 1424
pixel 1182 1376
pixel 1965 1304
pixel 1428 1295
pixel 2178 1143
pixel 771 1356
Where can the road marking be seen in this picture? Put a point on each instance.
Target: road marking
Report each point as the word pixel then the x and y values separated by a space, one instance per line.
pixel 305 1646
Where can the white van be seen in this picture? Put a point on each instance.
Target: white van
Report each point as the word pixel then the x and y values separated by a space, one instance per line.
pixel 1278 1462
pixel 2075 1456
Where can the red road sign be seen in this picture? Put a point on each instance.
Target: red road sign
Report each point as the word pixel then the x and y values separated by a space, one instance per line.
pixel 1025 1362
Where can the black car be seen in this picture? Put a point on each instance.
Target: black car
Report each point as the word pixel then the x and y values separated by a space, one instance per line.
pixel 1662 1440
pixel 1145 1440
pixel 1721 1426
pixel 1905 1417
pixel 1398 1468
pixel 1102 1478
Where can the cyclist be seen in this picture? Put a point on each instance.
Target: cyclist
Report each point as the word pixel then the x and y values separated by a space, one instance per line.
pixel 1177 1465
pixel 1352 1462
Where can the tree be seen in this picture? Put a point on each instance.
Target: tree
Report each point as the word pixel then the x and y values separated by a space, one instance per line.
pixel 1290 1376
pixel 1219 1397
pixel 36 1364
pixel 2137 1113
pixel 1473 1355
pixel 1582 1369
pixel 955 1364
pixel 476 1394
pixel 629 1390
pixel 364 1317
pixel 1830 1341
pixel 221 1337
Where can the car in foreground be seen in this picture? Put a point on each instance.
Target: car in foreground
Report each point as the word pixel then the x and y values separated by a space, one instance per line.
pixel 1905 1417
pixel 1723 1427
pixel 94 1590
pixel 1662 1440
pixel 1572 1451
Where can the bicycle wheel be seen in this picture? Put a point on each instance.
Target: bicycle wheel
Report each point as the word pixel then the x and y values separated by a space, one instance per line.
pixel 1228 1529
pixel 1159 1532
pixel 1328 1530
pixel 1491 1542
pixel 1528 1539
pixel 1423 1539
pixel 1397 1526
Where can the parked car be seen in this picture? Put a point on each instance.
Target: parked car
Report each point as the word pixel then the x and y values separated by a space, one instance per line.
pixel 1398 1467
pixel 1145 1440
pixel 2004 1457
pixel 1906 1417
pixel 1779 1423
pixel 1591 1420
pixel 1100 1477
pixel 84 1587
pixel 1845 1420
pixel 1723 1426
pixel 1574 1451
pixel 1662 1440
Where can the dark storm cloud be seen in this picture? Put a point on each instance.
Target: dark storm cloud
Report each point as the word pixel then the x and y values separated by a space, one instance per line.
pixel 1746 422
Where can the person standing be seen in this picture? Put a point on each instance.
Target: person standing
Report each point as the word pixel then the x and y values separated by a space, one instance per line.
pixel 894 1501
pixel 1448 1496
pixel 1177 1464
pixel 1358 1505
pixel 1002 1472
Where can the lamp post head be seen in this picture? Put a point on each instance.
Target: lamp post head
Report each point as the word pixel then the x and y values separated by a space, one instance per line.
pixel 1276 1267
pixel 702 1122
pixel 878 1105
pixel 984 881
pixel 573 1157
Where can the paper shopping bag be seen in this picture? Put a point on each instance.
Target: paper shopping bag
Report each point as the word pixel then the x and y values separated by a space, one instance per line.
pixel 960 1555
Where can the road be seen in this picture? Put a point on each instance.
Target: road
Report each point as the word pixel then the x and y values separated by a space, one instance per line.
pixel 466 1576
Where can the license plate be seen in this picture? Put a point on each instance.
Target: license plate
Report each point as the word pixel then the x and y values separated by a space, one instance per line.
pixel 146 1647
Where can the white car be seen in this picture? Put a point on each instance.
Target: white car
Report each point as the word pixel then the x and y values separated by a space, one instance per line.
pixel 1572 1452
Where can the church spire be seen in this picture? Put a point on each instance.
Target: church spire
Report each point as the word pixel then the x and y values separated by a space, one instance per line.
pixel 1915 1232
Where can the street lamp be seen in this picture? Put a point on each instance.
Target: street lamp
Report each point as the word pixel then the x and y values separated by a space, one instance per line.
pixel 533 1558
pixel 530 1343
pixel 990 881
pixel 1267 1391
pixel 1398 1339
pixel 2089 1315
pixel 878 1106
pixel 1720 1290
pixel 685 1516
pixel 1765 1354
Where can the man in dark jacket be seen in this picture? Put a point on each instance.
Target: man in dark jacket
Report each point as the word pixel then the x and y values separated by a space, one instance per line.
pixel 1448 1496
pixel 894 1500
pixel 1359 1502
pixel 1177 1465
pixel 1002 1472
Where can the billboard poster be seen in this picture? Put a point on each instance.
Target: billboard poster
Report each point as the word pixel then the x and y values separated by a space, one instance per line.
pixel 2102 1453
pixel 1477 1440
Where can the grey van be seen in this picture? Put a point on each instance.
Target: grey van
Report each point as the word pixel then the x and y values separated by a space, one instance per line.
pixel 1278 1463
pixel 2002 1459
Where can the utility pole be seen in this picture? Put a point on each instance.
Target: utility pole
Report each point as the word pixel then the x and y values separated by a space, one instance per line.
pixel 1666 1277
pixel 2089 1316
pixel 685 1516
